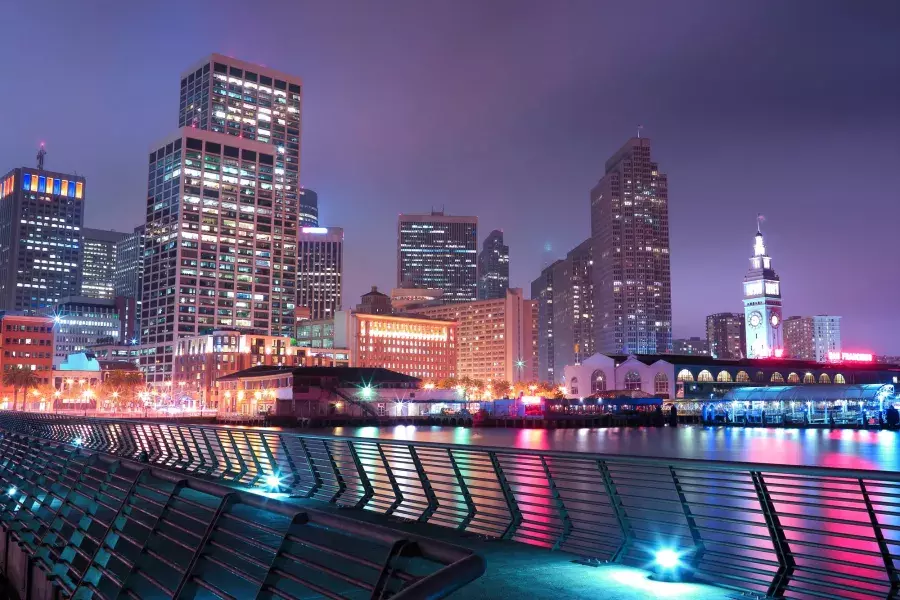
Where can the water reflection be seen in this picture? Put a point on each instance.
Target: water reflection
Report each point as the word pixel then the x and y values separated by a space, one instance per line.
pixel 812 447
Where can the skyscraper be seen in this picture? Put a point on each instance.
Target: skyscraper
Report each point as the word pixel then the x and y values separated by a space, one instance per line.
pixel 630 228
pixel 812 338
pixel 309 208
pixel 725 335
pixel 128 278
pixel 493 267
pixel 762 304
pixel 80 322
pixel 41 214
pixel 98 272
pixel 262 106
pixel 542 292
pixel 319 273
pixel 438 251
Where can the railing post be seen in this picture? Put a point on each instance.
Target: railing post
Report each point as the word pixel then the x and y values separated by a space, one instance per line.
pixel 426 486
pixel 317 479
pixel 515 515
pixel 398 493
pixel 560 506
pixel 882 543
pixel 464 489
pixel 699 547
pixel 618 510
pixel 337 473
pixel 368 491
pixel 786 564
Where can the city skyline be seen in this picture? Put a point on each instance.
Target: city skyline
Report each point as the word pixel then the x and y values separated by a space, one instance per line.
pixel 803 145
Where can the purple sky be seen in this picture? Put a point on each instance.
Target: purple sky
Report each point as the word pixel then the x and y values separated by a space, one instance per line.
pixel 508 110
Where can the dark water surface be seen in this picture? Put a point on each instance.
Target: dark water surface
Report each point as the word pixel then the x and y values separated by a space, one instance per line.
pixel 813 447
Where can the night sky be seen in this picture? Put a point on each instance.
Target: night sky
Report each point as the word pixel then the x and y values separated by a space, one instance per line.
pixel 508 110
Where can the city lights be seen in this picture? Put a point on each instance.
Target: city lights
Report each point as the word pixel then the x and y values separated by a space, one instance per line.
pixel 850 357
pixel 11 491
pixel 667 558
pixel 273 482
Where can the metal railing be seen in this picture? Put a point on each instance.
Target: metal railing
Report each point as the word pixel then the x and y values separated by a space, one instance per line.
pixel 780 531
pixel 78 524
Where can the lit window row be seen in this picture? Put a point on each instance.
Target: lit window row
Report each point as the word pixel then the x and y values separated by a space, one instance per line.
pixel 50 185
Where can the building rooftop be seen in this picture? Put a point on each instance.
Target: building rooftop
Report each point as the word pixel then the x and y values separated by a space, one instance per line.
pixel 782 363
pixel 352 375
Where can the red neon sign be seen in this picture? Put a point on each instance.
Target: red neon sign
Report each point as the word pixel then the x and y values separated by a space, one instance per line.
pixel 850 357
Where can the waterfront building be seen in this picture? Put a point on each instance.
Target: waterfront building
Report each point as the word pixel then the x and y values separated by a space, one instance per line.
pixel 630 229
pixel 725 334
pixel 762 304
pixel 493 267
pixel 320 270
pixel 27 342
pixel 80 322
pixel 493 337
pixel 438 251
pixel 41 215
pixel 693 346
pixel 99 262
pixel 309 208
pixel 404 299
pixel 812 338
pixel 375 303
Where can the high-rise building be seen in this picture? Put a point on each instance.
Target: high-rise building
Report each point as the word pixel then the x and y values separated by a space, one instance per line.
pixel 81 322
pixel 319 271
pixel 542 294
pixel 493 267
pixel 692 346
pixel 630 228
pixel 438 251
pixel 493 337
pixel 41 214
pixel 375 303
pixel 128 282
pixel 258 105
pixel 762 304
pixel 27 342
pixel 725 335
pixel 309 208
pixel 98 272
pixel 812 338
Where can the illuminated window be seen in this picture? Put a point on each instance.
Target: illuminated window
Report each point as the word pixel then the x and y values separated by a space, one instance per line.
pixel 839 379
pixel 809 378
pixel 793 378
pixel 598 382
pixel 824 378
pixel 705 376
pixel 661 384
pixel 742 377
pixel 632 380
pixel 573 386
pixel 78 189
pixel 723 377
pixel 685 375
pixel 777 378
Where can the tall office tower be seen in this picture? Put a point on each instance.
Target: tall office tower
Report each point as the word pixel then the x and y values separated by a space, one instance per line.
pixel 573 308
pixel 725 335
pixel 438 251
pixel 98 271
pixel 493 267
pixel 41 213
pixel 630 227
pixel 309 208
pixel 812 338
pixel 260 106
pixel 129 274
pixel 209 252
pixel 762 304
pixel 542 294
pixel 319 273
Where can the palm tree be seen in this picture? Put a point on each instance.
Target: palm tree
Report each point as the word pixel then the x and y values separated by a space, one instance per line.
pixel 19 378
pixel 126 383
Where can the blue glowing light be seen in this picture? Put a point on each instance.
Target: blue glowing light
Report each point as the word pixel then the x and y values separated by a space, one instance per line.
pixel 77 441
pixel 273 482
pixel 667 558
pixel 11 491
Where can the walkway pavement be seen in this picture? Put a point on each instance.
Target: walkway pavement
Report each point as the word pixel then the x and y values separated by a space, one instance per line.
pixel 517 570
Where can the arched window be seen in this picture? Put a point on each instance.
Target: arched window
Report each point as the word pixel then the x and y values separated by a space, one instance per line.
pixel 793 378
pixel 598 382
pixel 809 378
pixel 661 384
pixel 573 386
pixel 705 376
pixel 632 380
pixel 742 377
pixel 839 379
pixel 824 378
pixel 760 377
pixel 723 377
pixel 777 378
pixel 685 375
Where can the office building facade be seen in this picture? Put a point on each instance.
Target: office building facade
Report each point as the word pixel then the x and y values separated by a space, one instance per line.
pixel 320 270
pixel 439 251
pixel 375 303
pixel 129 263
pixel 725 335
pixel 493 267
pixel 692 346
pixel 309 208
pixel 630 228
pixel 542 294
pixel 26 342
pixel 99 262
pixel 81 322
pixel 812 338
pixel 41 215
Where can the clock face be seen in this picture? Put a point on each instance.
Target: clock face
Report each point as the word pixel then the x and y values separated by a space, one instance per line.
pixel 755 319
pixel 775 320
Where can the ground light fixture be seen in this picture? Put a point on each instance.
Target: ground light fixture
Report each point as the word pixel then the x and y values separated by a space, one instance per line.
pixel 668 565
pixel 11 491
pixel 77 441
pixel 273 482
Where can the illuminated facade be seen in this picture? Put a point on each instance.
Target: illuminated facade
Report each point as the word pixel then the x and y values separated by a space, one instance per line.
pixel 493 337
pixel 762 305
pixel 98 272
pixel 128 281
pixel 320 270
pixel 630 228
pixel 26 341
pixel 258 106
pixel 493 267
pixel 812 338
pixel 309 208
pixel 542 294
pixel 725 334
pixel 41 214
pixel 693 346
pixel 420 347
pixel 82 322
pixel 439 251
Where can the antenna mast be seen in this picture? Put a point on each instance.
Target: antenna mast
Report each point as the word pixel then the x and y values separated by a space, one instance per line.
pixel 40 157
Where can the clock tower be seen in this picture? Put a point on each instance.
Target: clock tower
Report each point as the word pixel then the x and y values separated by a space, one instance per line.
pixel 762 304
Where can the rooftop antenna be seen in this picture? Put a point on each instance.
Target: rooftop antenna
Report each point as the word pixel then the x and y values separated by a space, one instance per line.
pixel 639 131
pixel 40 157
pixel 759 219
